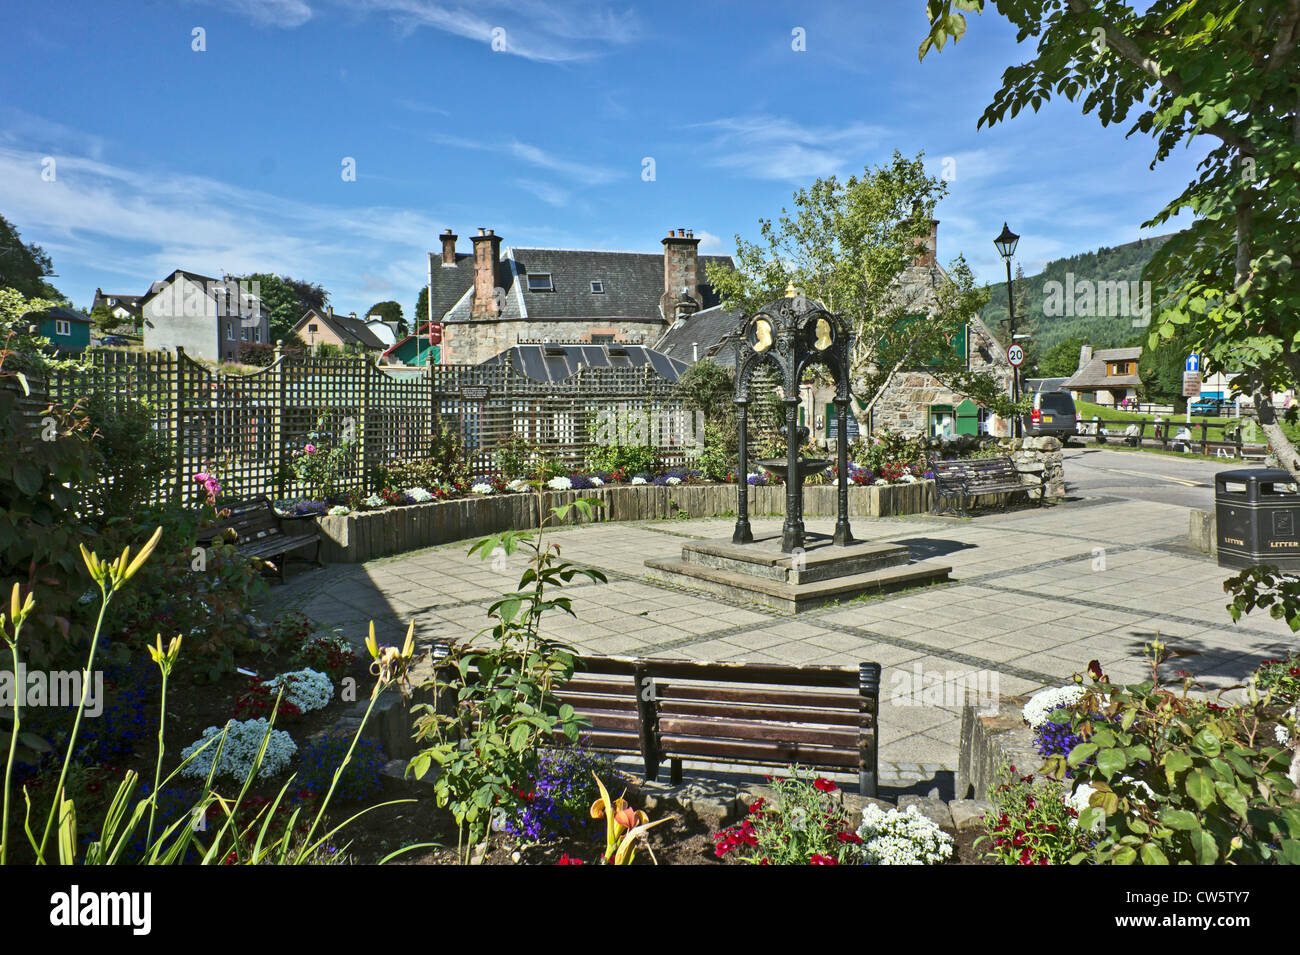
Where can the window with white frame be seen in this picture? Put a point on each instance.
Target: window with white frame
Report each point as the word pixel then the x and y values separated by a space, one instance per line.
pixel 62 326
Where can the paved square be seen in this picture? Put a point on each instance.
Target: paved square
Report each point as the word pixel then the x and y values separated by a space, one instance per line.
pixel 1036 594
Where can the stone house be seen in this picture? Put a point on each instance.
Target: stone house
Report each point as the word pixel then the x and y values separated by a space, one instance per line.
pixel 494 298
pixel 1106 376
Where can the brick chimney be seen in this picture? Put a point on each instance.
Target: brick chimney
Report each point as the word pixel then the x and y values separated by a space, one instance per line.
pixel 449 247
pixel 681 274
pixel 487 247
pixel 927 247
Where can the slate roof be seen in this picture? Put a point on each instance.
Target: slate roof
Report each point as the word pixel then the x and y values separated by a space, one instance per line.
pixel 351 331
pixel 60 312
pixel 1093 374
pixel 558 362
pixel 1044 384
pixel 632 283
pixel 710 329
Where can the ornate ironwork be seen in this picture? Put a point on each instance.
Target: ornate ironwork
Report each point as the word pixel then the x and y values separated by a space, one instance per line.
pixel 792 333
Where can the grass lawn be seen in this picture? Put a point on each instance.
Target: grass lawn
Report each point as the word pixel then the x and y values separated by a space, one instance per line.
pixel 1088 410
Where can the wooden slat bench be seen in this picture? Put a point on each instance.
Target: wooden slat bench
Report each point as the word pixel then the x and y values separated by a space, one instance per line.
pixel 959 480
pixel 675 710
pixel 260 533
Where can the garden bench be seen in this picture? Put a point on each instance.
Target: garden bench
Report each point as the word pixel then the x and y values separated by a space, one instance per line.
pixel 958 480
pixel 259 532
pixel 673 710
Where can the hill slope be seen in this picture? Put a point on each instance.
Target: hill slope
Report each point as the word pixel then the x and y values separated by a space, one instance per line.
pixel 1121 263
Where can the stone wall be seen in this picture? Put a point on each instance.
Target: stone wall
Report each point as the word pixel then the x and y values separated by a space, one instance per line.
pixel 1041 456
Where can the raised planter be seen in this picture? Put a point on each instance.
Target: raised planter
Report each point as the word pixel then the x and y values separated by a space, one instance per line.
pixel 361 536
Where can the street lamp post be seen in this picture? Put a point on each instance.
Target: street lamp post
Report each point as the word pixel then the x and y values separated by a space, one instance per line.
pixel 1006 246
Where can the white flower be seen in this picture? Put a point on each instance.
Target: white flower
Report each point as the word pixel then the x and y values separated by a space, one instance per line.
pixel 907 479
pixel 1079 799
pixel 374 500
pixel 517 485
pixel 597 482
pixel 419 495
pixel 306 689
pixel 638 480
pixel 239 751
pixel 482 488
pixel 1043 704
pixel 338 510
pixel 559 483
pixel 1280 732
pixel 880 482
pixel 895 837
pixel 674 481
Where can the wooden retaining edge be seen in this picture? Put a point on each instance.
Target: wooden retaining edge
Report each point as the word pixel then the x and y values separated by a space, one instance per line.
pixel 358 537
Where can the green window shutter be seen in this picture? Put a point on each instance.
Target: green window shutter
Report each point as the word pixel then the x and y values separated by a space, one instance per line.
pixel 968 418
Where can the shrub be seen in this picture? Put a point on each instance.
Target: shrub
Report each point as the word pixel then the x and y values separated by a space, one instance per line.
pixel 330 653
pixel 1178 780
pixel 361 776
pixel 895 837
pixel 1032 825
pixel 634 458
pixel 258 354
pixel 515 457
pixel 129 459
pixel 239 751
pixel 1282 677
pixel 290 631
pixel 559 794
pixel 804 824
pixel 306 689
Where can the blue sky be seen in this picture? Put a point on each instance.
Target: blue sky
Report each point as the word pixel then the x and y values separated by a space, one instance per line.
pixel 230 159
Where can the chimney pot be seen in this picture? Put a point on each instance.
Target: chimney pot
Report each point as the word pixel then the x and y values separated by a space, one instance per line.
pixel 481 231
pixel 672 233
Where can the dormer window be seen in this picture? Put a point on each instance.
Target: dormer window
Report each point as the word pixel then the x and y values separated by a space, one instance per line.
pixel 540 282
pixel 597 287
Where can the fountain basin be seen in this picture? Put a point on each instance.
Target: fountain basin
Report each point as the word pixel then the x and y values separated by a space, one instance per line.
pixel 807 466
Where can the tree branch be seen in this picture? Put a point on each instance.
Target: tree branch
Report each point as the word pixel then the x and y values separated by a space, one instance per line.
pixel 1129 50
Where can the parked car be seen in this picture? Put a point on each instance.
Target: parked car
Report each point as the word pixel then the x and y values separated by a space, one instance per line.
pixel 1206 406
pixel 113 340
pixel 1052 414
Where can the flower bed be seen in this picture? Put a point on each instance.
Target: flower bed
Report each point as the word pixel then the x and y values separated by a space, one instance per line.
pixel 359 536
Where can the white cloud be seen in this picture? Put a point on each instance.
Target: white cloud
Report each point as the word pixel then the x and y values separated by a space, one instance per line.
pixel 772 147
pixel 535 156
pixel 708 240
pixel 551 195
pixel 277 13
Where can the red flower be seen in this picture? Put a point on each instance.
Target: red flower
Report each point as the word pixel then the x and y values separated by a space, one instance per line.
pixel 850 836
pixel 819 859
pixel 825 785
pixel 757 805
pixel 567 859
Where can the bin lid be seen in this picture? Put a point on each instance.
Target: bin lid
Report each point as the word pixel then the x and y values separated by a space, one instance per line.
pixel 1257 476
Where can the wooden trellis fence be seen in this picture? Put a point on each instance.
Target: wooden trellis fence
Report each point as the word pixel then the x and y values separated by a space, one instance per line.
pixel 247 427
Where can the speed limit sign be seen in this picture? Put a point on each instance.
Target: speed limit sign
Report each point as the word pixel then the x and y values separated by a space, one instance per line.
pixel 1016 355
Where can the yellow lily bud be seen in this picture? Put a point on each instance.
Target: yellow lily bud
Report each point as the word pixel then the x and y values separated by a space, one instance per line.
pixel 136 564
pixel 408 648
pixel 372 644
pixel 91 560
pixel 13 603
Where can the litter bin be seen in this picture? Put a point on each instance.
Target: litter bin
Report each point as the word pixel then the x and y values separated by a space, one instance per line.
pixel 1257 515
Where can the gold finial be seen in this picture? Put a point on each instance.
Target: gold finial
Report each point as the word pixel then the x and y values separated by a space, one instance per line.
pixel 790 290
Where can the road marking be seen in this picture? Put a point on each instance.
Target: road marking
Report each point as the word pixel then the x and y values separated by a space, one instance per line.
pixel 1166 477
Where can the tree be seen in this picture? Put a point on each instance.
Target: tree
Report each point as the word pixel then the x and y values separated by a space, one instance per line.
pixel 846 245
pixel 286 300
pixel 390 312
pixel 1062 359
pixel 104 318
pixel 1191 68
pixel 24 265
pixel 421 313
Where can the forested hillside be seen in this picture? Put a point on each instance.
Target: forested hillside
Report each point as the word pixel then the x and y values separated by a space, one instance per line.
pixel 1122 263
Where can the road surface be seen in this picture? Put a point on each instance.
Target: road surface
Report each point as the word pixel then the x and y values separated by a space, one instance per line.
pixel 1141 476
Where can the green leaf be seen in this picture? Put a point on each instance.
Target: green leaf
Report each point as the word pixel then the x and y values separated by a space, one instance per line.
pixel 1179 819
pixel 1151 855
pixel 1081 752
pixel 1111 762
pixel 1208 742
pixel 1200 788
pixel 1203 844
pixel 1232 798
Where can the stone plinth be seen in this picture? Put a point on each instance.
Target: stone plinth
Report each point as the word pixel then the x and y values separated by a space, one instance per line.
pixel 821 573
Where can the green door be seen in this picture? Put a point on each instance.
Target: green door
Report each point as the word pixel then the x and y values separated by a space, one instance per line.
pixel 968 418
